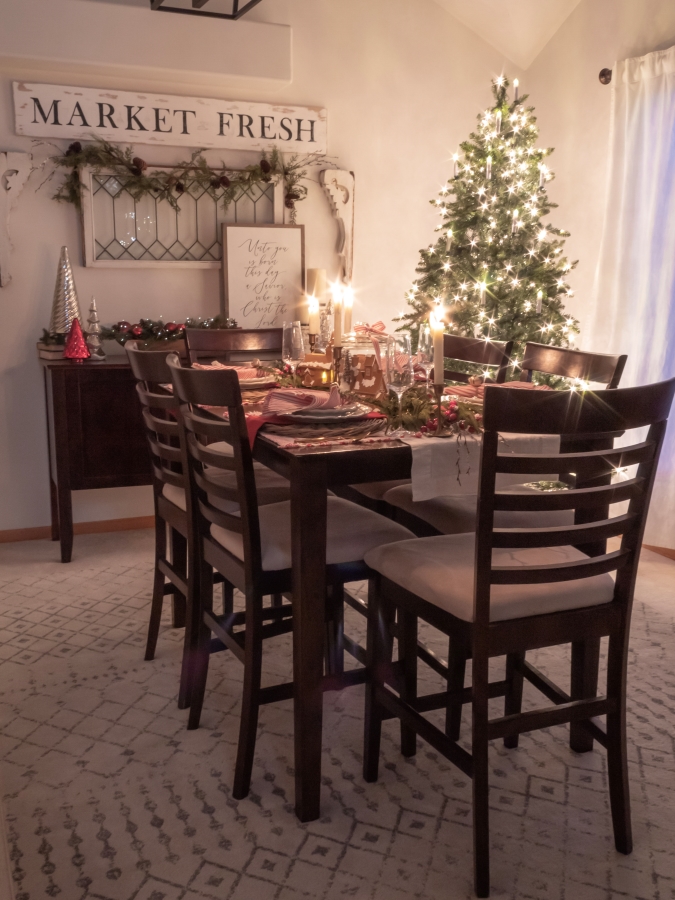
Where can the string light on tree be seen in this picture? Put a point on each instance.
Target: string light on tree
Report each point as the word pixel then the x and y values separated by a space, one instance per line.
pixel 492 234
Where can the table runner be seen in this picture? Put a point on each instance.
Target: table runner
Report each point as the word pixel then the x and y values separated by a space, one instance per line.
pixel 444 467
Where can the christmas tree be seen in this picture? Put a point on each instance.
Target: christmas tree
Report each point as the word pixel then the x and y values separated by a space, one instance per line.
pixel 496 270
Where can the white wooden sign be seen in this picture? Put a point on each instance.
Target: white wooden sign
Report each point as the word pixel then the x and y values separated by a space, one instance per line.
pixel 51 110
pixel 264 273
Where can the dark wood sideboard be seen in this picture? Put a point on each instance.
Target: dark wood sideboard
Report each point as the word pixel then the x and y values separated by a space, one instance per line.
pixel 95 433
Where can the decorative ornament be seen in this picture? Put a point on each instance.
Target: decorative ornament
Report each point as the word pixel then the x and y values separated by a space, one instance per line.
pixel 179 187
pixel 139 164
pixel 265 167
pixel 76 347
pixel 94 333
pixel 65 307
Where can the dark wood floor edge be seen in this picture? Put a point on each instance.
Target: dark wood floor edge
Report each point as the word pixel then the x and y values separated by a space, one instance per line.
pixel 43 532
pixel 662 551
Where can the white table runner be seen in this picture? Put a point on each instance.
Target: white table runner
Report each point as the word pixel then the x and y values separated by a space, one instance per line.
pixel 445 467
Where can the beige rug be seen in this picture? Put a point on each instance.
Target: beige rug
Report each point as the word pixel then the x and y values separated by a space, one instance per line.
pixel 109 797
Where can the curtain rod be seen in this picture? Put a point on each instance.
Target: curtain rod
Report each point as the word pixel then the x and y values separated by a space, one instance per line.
pixel 605 76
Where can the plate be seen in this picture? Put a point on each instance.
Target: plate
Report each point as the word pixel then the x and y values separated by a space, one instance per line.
pixel 330 416
pixel 250 383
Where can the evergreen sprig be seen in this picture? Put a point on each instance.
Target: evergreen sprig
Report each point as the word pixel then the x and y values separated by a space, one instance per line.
pixel 224 184
pixel 496 271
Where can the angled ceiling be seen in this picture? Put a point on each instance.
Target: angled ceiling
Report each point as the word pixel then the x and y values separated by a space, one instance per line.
pixel 520 29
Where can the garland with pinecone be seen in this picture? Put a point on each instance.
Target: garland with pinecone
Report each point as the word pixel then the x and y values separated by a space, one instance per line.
pixel 224 184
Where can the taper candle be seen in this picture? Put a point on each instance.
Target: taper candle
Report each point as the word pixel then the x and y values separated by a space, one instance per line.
pixel 516 85
pixel 314 315
pixel 348 306
pixel 316 283
pixel 437 327
pixel 488 168
pixel 337 314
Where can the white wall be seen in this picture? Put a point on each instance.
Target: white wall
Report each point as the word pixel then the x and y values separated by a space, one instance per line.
pixel 402 83
pixel 574 117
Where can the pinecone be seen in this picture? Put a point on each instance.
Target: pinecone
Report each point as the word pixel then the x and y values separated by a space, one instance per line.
pixel 74 149
pixel 224 181
pixel 265 167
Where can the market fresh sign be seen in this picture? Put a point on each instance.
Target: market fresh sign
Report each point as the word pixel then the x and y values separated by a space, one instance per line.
pixel 50 110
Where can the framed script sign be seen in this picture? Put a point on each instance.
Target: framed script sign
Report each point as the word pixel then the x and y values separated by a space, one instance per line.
pixel 263 273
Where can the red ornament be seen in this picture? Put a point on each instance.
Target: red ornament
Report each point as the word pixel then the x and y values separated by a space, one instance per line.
pixel 137 331
pixel 76 346
pixel 171 326
pixel 123 326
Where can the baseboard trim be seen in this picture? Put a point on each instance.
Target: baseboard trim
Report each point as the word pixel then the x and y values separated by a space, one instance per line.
pixel 44 532
pixel 662 551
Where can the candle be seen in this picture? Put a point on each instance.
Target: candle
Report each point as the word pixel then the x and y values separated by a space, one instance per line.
pixel 542 176
pixel 514 224
pixel 488 168
pixel 540 297
pixel 437 327
pixel 448 240
pixel 337 314
pixel 516 84
pixel 314 315
pixel 482 287
pixel 348 304
pixel 498 121
pixel 455 157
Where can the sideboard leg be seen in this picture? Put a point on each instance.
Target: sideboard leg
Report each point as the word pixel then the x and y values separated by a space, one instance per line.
pixel 54 507
pixel 65 524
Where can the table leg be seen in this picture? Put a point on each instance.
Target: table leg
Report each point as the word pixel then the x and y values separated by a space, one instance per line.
pixel 65 504
pixel 308 530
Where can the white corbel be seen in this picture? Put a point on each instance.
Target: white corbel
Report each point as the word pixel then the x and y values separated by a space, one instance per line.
pixel 15 167
pixel 339 187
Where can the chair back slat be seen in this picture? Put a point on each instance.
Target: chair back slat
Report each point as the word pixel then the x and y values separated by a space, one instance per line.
pixel 159 408
pixel 221 343
pixel 580 418
pixel 594 463
pixel 581 498
pixel 561 361
pixel 570 571
pixel 194 389
pixel 496 354
pixel 561 535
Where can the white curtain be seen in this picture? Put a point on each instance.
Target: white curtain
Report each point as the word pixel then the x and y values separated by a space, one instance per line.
pixel 635 283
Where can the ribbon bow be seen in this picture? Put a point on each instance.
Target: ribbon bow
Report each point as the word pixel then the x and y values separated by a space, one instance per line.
pixel 378 328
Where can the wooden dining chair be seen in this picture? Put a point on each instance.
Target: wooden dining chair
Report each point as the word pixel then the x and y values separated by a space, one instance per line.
pixel 457 514
pixel 223 343
pixel 484 356
pixel 171 523
pixel 251 548
pixel 504 591
pixel 597 368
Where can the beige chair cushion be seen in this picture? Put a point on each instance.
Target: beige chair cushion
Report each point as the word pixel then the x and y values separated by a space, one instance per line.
pixel 272 488
pixel 441 571
pixel 377 489
pixel 352 531
pixel 457 514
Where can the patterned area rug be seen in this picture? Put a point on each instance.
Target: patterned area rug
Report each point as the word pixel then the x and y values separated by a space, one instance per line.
pixel 108 796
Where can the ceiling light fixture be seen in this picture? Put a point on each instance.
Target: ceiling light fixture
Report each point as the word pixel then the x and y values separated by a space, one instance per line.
pixel 236 8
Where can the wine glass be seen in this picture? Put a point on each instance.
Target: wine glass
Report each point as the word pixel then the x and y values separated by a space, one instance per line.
pixel 425 350
pixel 292 345
pixel 398 370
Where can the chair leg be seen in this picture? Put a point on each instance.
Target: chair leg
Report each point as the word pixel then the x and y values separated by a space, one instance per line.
pixel 179 561
pixel 157 589
pixel 407 654
pixel 584 684
pixel 250 699
pixel 456 670
pixel 228 598
pixel 197 662
pixel 617 754
pixel 335 650
pixel 378 648
pixel 480 786
pixel 513 700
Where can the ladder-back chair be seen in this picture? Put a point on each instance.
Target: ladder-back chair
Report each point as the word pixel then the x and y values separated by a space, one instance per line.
pixel 222 343
pixel 251 548
pixel 504 591
pixel 580 365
